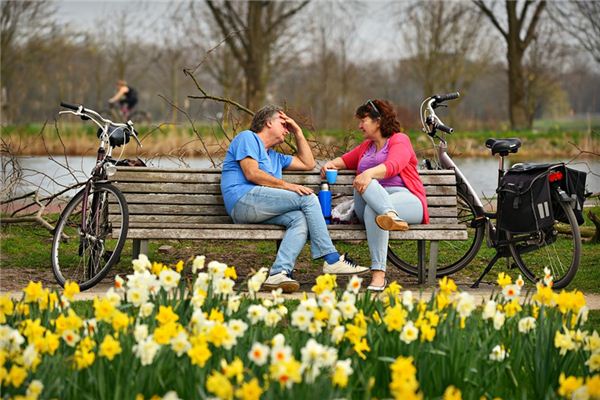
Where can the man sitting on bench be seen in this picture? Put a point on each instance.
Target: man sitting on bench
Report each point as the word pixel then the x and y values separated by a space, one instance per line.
pixel 254 192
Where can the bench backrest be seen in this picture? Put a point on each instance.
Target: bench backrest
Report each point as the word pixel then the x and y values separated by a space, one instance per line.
pixel 158 197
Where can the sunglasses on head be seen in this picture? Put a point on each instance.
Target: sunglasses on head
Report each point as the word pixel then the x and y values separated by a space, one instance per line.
pixel 370 103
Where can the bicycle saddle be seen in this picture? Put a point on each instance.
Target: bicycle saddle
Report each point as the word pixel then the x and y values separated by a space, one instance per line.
pixel 503 146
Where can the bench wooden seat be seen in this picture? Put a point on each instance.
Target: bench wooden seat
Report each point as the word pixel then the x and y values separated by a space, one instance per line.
pixel 187 204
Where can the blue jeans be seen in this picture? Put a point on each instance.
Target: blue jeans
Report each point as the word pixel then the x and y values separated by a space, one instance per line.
pixel 377 200
pixel 301 215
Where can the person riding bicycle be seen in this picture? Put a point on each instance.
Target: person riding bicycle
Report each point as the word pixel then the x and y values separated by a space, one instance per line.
pixel 126 96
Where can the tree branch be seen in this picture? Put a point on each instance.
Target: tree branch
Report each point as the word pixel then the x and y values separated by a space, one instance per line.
pixel 491 16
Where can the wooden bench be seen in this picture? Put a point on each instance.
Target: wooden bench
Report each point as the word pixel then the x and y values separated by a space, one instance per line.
pixel 187 204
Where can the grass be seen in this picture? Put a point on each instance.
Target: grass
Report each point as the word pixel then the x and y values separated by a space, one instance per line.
pixel 35 242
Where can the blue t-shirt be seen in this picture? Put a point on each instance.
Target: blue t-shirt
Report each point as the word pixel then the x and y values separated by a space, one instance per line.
pixel 234 184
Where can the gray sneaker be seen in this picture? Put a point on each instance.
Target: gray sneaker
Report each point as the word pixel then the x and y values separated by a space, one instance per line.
pixel 281 280
pixel 344 266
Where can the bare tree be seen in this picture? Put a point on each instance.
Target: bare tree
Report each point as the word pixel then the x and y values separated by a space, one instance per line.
pixel 519 30
pixel 581 19
pixel 448 48
pixel 261 25
pixel 20 21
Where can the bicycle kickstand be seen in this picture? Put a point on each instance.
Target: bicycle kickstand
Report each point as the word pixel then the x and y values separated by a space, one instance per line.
pixel 486 270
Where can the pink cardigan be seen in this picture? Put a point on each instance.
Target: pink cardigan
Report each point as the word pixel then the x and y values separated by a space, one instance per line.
pixel 401 160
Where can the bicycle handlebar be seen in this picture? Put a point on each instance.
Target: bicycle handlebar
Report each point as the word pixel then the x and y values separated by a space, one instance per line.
pixel 87 113
pixel 448 96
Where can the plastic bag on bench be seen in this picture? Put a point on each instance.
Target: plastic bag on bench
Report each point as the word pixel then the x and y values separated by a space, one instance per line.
pixel 343 213
pixel 524 201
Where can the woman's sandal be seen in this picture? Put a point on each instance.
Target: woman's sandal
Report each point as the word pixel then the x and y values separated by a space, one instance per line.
pixel 374 288
pixel 391 223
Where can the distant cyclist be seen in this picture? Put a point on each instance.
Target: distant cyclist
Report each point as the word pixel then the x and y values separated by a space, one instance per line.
pixel 126 96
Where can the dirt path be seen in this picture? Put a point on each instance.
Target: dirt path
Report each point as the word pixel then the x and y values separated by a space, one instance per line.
pixel 12 282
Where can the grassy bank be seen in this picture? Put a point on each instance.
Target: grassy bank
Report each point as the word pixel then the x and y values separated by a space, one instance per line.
pixel 80 139
pixel 247 256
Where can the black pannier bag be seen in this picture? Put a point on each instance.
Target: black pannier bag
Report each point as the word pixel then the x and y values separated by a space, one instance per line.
pixel 524 200
pixel 572 182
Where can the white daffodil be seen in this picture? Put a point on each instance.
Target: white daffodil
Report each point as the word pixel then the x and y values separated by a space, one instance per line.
pixel 409 333
pixel 498 353
pixel 223 286
pixel 180 343
pixel 511 292
pixel 593 362
pixel 348 309
pixel 34 389
pixel 198 298
pixel 465 304
pixel 548 278
pixel 216 269
pixel 30 356
pixel 141 263
pixel 137 296
pixel 281 354
pixel 198 264
pixel 499 319
pixel 256 313
pixel 256 281
pixel 169 279
pixel 140 332
pixel 171 395
pixel 527 324
pixel 354 284
pixel 326 299
pixel 337 334
pixel 113 297
pixel 489 310
pixel 70 337
pixel 272 318
pixel 259 354
pixel 146 349
pixel 301 319
pixel 146 310
pixel 237 327
pixel 233 304
pixel 408 300
pixel 202 281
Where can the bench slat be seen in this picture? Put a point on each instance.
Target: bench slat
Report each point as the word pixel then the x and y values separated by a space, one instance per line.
pixel 277 234
pixel 214 188
pixel 214 176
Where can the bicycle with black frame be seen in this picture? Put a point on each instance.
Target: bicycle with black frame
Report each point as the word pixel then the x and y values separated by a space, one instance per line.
pixel 91 230
pixel 539 210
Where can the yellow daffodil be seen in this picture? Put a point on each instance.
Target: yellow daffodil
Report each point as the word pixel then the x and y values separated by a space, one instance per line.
pixel 593 386
pixel 166 315
pixel 286 373
pixel 395 317
pixel 109 347
pixel 103 309
pixel 199 354
pixel 447 285
pixel 503 280
pixel 6 308
pixel 34 292
pixel 568 385
pixel 452 393
pixel 324 282
pixel 16 376
pixel 250 390
pixel 235 369
pixel 71 289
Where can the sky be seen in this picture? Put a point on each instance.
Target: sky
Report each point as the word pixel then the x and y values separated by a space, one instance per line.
pixel 85 15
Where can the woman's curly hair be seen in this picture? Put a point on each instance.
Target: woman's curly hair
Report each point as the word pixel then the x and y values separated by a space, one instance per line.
pixel 382 110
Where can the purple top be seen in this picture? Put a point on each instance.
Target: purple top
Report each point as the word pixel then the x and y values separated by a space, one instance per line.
pixel 373 158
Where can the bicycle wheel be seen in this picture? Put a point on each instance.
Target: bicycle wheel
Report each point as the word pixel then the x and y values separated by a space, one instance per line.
pixel 557 248
pixel 453 255
pixel 85 256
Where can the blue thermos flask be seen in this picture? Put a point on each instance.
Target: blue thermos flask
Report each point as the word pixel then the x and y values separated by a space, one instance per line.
pixel 325 200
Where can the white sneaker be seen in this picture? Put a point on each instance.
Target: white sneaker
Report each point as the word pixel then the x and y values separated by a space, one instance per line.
pixel 280 281
pixel 344 266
